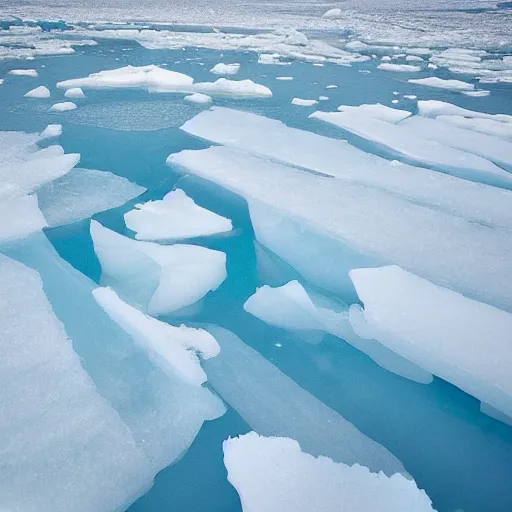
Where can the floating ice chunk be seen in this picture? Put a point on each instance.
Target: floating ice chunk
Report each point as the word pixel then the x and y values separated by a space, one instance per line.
pixel 486 146
pixel 440 83
pixel 418 149
pixel 323 98
pixel 38 92
pixel 258 135
pixel 410 96
pixel 291 307
pixel 273 474
pixel 176 217
pixel 401 68
pixel 272 59
pixel 20 216
pixel 332 13
pixel 74 92
pixel 236 88
pixel 435 108
pixel 477 94
pixel 385 58
pixel 285 78
pixel 159 279
pixel 64 447
pixel 458 339
pixel 23 72
pixel 197 97
pixel 225 69
pixel 83 192
pixel 324 227
pixel 332 86
pixel 175 350
pixel 1 81
pixel 64 106
pixel 293 36
pixel 479 125
pixel 52 130
pixel 379 111
pixel 413 58
pixel 151 78
pixel 274 405
pixel 303 103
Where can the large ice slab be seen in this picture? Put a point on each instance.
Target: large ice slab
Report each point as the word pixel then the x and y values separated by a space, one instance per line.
pixel 273 474
pixel 379 111
pixel 418 149
pixel 272 139
pixel 83 192
pixel 274 405
pixel 23 72
pixel 400 68
pixel 62 445
pixel 291 307
pixel 237 88
pixel 175 217
pixel 435 108
pixel 479 125
pixel 440 83
pixel 175 350
pixel 20 216
pixel 324 227
pixel 461 340
pixel 159 279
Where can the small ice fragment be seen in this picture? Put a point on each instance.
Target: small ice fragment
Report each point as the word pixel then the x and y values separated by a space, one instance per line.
pixel 198 97
pixel 236 88
pixel 318 64
pixel 272 59
pixel 64 106
pixel 304 103
pixel 401 68
pixel 394 101
pixel 74 92
pixel 278 345
pixel 52 130
pixel 410 96
pixel 332 13
pixel 323 98
pixel 176 217
pixel 23 72
pixel 39 92
pixel 385 58
pixel 396 93
pixel 286 78
pixel 481 93
pixel 225 69
pixel 413 58
pixel 332 86
pixel 440 83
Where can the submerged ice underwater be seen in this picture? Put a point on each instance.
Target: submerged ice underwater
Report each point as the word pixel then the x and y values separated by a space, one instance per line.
pixel 255 262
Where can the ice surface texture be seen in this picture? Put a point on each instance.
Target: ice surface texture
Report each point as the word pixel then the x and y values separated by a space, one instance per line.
pixel 63 106
pixel 273 474
pixel 38 92
pixel 159 279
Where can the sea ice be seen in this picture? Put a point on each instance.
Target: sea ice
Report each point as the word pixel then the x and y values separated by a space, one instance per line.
pixel 418 149
pixel 64 106
pixel 480 125
pixel 401 68
pixel 303 103
pixel 274 405
pixel 74 92
pixel 83 192
pixel 225 69
pixel 38 92
pixel 435 108
pixel 285 78
pixel 272 59
pixel 52 130
pixel 332 13
pixel 332 86
pixel 477 94
pixel 378 111
pixel 175 350
pixel 237 88
pixel 456 338
pixel 20 216
pixel 410 96
pixel 23 72
pixel 413 58
pixel 175 217
pixel 440 83
pixel 273 474
pixel 323 98
pixel 159 279
pixel 197 97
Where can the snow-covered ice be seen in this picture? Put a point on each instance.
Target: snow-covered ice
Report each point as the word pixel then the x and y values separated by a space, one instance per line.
pixel 159 279
pixel 304 103
pixel 400 68
pixel 461 340
pixel 332 86
pixel 225 69
pixel 441 83
pixel 285 78
pixel 52 130
pixel 332 13
pixel 273 474
pixel 74 92
pixel 435 108
pixel 237 88
pixel 23 72
pixel 63 106
pixel 480 125
pixel 379 111
pixel 175 217
pixel 38 92
pixel 197 97
pixel 272 59
pixel 20 216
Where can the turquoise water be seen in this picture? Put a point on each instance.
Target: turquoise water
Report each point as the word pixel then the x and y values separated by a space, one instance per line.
pixel 462 458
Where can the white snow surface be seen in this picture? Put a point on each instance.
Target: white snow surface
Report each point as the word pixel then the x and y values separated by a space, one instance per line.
pixel 237 88
pixel 175 217
pixel 52 130
pixel 225 69
pixel 39 92
pixel 304 103
pixel 480 125
pixel 400 68
pixel 63 106
pixel 441 83
pixel 199 98
pixel 378 111
pixel 74 92
pixel 435 108
pixel 332 13
pixel 273 474
pixel 23 72
pixel 456 338
pixel 156 278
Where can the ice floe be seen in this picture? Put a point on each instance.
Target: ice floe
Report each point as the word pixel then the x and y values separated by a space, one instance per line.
pixel 272 59
pixel 225 69
pixel 332 13
pixel 284 78
pixel 458 339
pixel 304 103
pixel 63 106
pixel 159 279
pixel 441 83
pixel 38 92
pixel 175 217
pixel 272 404
pixel 274 474
pixel 74 92
pixel 198 97
pixel 401 68
pixel 379 111
pixel 23 72
pixel 20 216
pixel 480 125
pixel 52 130
pixel 175 350
pixel 435 108
pixel 238 88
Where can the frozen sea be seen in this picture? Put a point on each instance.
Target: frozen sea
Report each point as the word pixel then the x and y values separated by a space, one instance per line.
pixel 228 228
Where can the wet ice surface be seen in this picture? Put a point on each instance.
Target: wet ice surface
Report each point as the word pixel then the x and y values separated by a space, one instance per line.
pixel 280 217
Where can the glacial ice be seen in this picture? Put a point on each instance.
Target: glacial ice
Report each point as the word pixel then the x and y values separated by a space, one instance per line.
pixel 83 192
pixel 480 125
pixel 23 72
pixel 378 111
pixel 63 106
pixel 175 350
pixel 63 446
pixel 38 92
pixel 175 217
pixel 435 108
pixel 303 103
pixel 274 405
pixel 159 279
pixel 418 149
pixel 197 97
pixel 74 92
pixel 323 227
pixel 237 88
pixel 291 307
pixel 273 474
pixel 456 338
pixel 440 83
pixel 401 68
pixel 332 13
pixel 225 69
pixel 52 130
pixel 20 216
